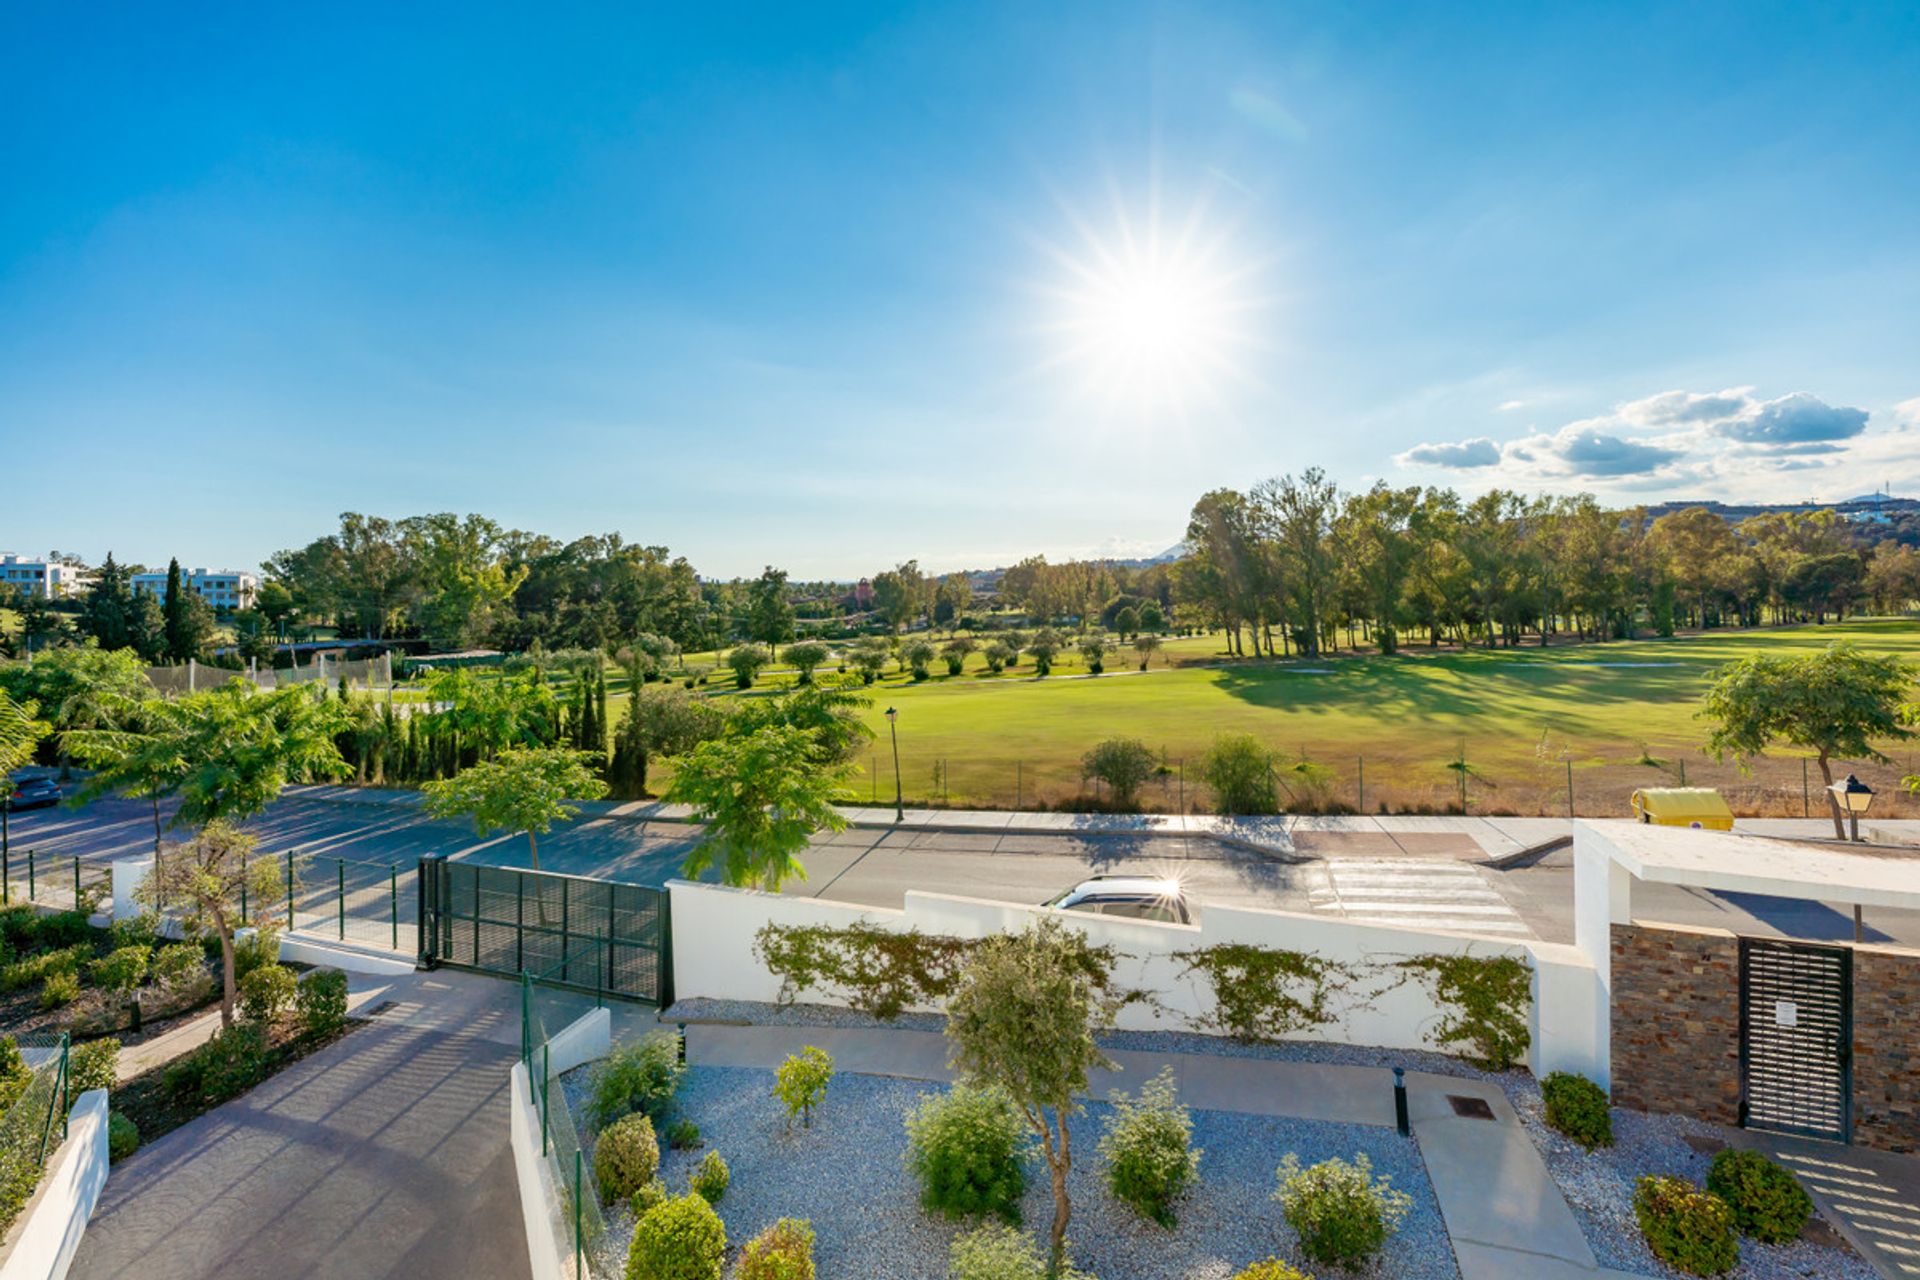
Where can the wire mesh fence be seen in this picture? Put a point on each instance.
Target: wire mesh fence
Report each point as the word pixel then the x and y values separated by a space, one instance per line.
pixel 34 1124
pixel 575 1204
pixel 352 900
pixel 54 880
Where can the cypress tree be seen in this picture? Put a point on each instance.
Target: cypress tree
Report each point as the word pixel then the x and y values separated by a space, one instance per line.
pixel 173 608
pixel 600 720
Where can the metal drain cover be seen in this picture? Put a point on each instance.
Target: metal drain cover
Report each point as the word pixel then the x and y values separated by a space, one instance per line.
pixel 1470 1108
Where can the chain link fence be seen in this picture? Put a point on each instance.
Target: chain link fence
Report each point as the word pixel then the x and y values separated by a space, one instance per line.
pixel 36 1122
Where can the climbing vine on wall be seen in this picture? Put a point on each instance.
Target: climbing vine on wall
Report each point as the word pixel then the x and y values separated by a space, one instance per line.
pixel 1484 1002
pixel 1261 993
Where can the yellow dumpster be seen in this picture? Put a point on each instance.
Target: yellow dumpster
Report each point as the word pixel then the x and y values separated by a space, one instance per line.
pixel 1683 807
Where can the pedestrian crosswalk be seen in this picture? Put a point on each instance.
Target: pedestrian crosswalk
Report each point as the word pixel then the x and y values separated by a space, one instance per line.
pixel 1416 893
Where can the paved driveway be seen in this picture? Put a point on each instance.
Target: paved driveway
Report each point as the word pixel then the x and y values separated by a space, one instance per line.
pixel 383 1155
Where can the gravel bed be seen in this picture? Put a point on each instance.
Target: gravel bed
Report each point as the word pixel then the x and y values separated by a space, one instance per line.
pixel 1599 1187
pixel 846 1174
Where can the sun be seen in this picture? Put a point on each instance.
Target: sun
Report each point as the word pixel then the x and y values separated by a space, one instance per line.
pixel 1152 318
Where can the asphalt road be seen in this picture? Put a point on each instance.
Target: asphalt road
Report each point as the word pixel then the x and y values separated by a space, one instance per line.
pixel 876 867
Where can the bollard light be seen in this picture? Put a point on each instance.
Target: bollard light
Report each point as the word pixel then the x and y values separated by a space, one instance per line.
pixel 1400 1101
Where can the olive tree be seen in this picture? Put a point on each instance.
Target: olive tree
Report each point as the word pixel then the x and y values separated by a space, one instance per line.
pixel 1124 764
pixel 805 657
pixel 746 661
pixel 1836 703
pixel 918 655
pixel 1023 1017
pixel 955 652
pixel 1146 645
pixel 1044 646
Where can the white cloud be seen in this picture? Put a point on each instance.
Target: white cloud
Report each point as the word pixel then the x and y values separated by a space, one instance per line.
pixel 1465 455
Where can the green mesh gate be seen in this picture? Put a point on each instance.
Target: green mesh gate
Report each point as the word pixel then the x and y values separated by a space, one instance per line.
pixel 602 936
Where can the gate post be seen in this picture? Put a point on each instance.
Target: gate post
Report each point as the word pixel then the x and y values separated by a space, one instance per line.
pixel 426 912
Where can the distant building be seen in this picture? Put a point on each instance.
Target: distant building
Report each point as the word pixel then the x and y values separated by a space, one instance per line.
pixel 47 578
pixel 221 588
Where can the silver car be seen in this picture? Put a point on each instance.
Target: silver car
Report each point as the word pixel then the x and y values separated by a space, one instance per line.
pixel 1127 898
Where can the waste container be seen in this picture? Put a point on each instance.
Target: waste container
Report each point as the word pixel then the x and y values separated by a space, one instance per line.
pixel 1683 807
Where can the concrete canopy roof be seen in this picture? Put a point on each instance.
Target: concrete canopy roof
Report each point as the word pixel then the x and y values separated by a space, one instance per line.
pixel 1758 864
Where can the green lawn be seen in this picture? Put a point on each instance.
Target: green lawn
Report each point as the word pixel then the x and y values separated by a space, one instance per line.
pixel 1521 715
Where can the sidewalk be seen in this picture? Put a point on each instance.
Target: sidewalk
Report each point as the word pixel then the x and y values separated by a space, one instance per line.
pixel 1505 1216
pixel 1873 1197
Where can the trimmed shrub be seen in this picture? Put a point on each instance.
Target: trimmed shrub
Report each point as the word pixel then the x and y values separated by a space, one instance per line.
pixel 650 1194
pixel 683 1134
pixel 801 1083
pixel 267 992
pixel 967 1148
pixel 1340 1211
pixel 1766 1199
pixel 142 930
pixel 321 1001
pixel 224 1067
pixel 642 1076
pixel 1577 1107
pixel 122 969
pixel 1271 1269
pixel 24 973
pixel 678 1239
pixel 65 929
pixel 710 1180
pixel 93 1065
pixel 177 965
pixel 784 1251
pixel 626 1157
pixel 1148 1150
pixel 1685 1227
pixel 996 1252
pixel 123 1137
pixel 61 988
pixel 256 950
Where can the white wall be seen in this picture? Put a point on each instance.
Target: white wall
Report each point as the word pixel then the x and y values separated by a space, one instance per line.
pixel 55 1218
pixel 537 1193
pixel 714 929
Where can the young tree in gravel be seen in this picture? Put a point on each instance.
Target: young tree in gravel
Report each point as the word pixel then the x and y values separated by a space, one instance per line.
pixel 805 657
pixel 525 789
pixel 1024 1018
pixel 1124 764
pixel 1836 703
pixel 203 881
pixel 761 794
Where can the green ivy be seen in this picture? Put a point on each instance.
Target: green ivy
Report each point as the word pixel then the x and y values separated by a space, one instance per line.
pixel 1484 1003
pixel 1265 994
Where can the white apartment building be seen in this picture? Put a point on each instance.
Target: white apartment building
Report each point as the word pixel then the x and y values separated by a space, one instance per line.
pixel 46 578
pixel 221 588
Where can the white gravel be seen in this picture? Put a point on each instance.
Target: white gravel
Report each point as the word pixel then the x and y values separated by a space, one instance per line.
pixel 846 1174
pixel 1599 1187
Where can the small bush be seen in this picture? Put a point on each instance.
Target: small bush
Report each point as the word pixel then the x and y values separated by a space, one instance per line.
pixel 123 1137
pixel 642 1076
pixel 1577 1107
pixel 650 1194
pixel 784 1251
pixel 93 1065
pixel 967 1149
pixel 256 950
pixel 321 1001
pixel 1766 1200
pixel 1340 1211
pixel 710 1180
pixel 1148 1151
pixel 1685 1227
pixel 142 930
pixel 267 992
pixel 19 927
pixel 626 1157
pixel 122 969
pixel 224 1067
pixel 178 965
pixel 678 1239
pixel 24 973
pixel 14 1076
pixel 683 1134
pixel 1271 1269
pixel 996 1252
pixel 61 988
pixel 65 929
pixel 801 1083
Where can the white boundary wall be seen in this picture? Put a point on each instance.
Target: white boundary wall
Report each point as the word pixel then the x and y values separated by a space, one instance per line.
pixel 52 1222
pixel 584 1039
pixel 713 956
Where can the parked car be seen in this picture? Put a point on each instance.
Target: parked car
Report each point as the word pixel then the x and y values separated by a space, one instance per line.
pixel 36 792
pixel 1128 898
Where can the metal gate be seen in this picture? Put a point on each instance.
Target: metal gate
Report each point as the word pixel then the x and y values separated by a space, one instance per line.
pixel 603 936
pixel 1796 1038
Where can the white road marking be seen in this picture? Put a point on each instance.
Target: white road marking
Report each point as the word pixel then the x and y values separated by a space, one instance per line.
pixel 1429 893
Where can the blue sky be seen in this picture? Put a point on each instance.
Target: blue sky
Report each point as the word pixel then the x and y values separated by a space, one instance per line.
pixel 831 286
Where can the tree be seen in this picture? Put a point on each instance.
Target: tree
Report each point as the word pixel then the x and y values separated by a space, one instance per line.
pixel 20 734
pixel 1094 649
pixel 869 658
pixel 1238 768
pixel 901 594
pixel 769 616
pixel 919 656
pixel 1124 764
pixel 108 613
pixel 761 795
pixel 1836 703
pixel 206 880
pixel 1146 644
pixel 1044 646
pixel 805 657
pixel 661 720
pixel 82 688
pixel 461 582
pixel 746 661
pixel 524 789
pixel 187 629
pixel 1023 1018
pixel 955 651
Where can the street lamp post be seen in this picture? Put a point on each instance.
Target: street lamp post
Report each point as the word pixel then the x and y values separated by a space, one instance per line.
pixel 893 728
pixel 1853 797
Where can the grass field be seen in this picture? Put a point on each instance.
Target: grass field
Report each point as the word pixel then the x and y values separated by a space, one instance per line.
pixel 1518 716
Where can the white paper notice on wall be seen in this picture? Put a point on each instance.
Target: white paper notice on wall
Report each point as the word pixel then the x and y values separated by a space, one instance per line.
pixel 1786 1013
